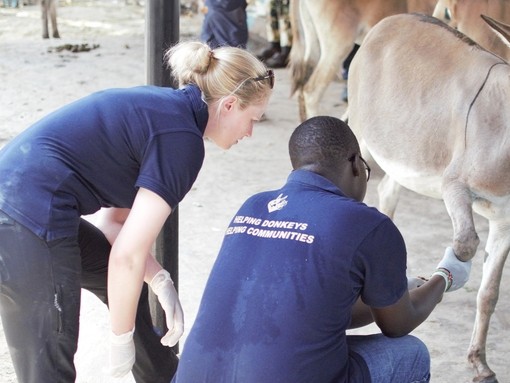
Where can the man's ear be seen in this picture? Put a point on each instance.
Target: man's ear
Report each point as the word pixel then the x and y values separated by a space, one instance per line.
pixel 229 103
pixel 355 167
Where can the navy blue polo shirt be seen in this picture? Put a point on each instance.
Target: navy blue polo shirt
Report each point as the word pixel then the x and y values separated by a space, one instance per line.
pixel 278 300
pixel 97 151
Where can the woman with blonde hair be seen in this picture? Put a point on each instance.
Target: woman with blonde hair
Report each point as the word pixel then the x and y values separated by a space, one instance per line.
pixel 132 154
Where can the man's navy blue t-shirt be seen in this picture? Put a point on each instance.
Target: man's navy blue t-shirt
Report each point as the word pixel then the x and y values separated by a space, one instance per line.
pixel 97 151
pixel 278 300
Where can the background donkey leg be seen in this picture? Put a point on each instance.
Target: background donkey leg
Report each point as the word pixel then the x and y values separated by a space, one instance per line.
pixel 497 248
pixel 44 17
pixel 53 17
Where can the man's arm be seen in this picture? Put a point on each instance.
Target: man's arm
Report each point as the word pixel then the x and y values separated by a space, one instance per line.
pixel 416 305
pixel 362 314
pixel 411 310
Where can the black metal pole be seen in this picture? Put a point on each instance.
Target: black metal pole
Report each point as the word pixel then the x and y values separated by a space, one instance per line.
pixel 162 31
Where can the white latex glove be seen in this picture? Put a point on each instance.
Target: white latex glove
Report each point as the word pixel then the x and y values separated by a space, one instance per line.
pixel 163 286
pixel 454 271
pixel 122 354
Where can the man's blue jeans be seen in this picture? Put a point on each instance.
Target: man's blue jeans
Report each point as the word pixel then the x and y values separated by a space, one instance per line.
pixel 393 360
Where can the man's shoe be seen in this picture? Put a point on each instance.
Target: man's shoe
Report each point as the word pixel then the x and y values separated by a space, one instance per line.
pixel 278 60
pixel 268 53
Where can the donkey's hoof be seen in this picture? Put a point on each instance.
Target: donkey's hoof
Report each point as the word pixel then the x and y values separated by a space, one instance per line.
pixel 485 379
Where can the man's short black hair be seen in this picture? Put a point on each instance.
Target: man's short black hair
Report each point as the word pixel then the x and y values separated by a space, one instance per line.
pixel 322 142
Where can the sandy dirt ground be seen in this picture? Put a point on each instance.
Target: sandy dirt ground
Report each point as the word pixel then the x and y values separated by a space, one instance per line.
pixel 36 77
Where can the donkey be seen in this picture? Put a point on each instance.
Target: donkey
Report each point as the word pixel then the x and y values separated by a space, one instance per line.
pixel 330 29
pixel 432 108
pixel 465 17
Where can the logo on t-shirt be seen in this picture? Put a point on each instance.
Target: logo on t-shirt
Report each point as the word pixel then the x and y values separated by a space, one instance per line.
pixel 277 204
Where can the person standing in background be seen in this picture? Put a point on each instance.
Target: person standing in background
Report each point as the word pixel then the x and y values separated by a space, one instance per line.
pixel 279 34
pixel 225 23
pixel 345 71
